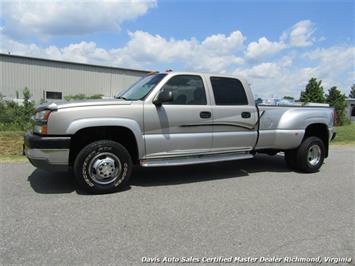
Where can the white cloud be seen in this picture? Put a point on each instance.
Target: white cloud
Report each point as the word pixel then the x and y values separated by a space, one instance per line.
pixel 276 80
pixel 53 17
pixel 286 73
pixel 222 44
pixel 261 71
pixel 144 50
pixel 147 49
pixel 286 61
pixel 334 66
pixel 301 34
pixel 84 52
pixel 263 48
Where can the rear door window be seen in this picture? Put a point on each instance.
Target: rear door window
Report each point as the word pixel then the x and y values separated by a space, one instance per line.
pixel 228 91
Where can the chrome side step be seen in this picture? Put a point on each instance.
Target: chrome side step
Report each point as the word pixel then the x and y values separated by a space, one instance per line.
pixel 195 159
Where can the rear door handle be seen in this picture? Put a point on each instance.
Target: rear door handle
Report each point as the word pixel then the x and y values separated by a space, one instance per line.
pixel 205 114
pixel 246 115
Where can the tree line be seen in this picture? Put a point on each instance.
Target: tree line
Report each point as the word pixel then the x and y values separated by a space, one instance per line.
pixel 314 93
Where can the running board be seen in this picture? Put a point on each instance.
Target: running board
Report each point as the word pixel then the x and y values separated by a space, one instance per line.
pixel 195 159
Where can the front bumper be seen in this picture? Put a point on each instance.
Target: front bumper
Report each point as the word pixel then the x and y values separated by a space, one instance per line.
pixel 49 153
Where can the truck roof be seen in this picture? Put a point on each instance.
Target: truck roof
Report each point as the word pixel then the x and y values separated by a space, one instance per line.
pixel 204 73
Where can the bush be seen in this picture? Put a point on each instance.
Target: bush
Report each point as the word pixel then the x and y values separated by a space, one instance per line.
pixel 82 96
pixel 14 116
pixel 17 117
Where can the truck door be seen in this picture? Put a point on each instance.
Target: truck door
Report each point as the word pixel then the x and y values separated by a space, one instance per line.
pixel 183 126
pixel 234 116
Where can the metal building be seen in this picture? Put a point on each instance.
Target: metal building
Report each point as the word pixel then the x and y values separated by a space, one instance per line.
pixel 52 79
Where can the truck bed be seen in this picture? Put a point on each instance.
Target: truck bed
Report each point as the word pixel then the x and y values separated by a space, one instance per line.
pixel 283 127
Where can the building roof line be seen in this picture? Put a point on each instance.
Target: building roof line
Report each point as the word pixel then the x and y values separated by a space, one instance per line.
pixel 73 63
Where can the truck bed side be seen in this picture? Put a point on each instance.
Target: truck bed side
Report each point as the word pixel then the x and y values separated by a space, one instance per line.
pixel 283 127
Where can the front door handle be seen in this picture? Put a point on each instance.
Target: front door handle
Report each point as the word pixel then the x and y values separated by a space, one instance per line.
pixel 246 115
pixel 205 114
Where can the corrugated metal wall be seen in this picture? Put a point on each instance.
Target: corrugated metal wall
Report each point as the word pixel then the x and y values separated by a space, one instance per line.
pixel 69 78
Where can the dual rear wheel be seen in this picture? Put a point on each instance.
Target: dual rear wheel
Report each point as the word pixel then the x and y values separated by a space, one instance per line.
pixel 308 157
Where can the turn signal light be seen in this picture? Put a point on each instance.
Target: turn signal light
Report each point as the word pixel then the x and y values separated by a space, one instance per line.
pixel 40 129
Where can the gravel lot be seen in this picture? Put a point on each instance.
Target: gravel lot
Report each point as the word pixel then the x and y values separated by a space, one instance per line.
pixel 244 208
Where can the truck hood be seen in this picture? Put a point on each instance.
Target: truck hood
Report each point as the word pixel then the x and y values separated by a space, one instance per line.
pixel 81 103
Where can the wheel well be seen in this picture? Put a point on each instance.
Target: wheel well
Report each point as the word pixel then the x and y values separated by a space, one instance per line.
pixel 87 135
pixel 320 131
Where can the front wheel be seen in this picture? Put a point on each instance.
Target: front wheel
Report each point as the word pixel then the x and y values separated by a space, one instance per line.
pixel 102 167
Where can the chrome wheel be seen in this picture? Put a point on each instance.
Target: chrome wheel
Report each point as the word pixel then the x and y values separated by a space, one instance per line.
pixel 314 155
pixel 105 168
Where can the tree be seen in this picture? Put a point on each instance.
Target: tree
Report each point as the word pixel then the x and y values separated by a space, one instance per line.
pixel 313 92
pixel 288 98
pixel 29 107
pixel 258 101
pixel 28 104
pixel 352 91
pixel 337 100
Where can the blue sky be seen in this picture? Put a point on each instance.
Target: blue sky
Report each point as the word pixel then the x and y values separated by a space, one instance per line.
pixel 277 45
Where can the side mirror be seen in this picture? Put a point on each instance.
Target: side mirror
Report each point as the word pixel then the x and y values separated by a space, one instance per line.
pixel 163 97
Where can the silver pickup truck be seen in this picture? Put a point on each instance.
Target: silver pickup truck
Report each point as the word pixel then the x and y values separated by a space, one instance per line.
pixel 173 118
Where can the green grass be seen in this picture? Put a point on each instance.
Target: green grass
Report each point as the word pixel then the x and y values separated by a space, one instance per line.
pixel 13 159
pixel 345 134
pixel 11 146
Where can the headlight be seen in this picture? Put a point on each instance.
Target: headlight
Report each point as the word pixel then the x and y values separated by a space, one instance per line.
pixel 42 115
pixel 40 123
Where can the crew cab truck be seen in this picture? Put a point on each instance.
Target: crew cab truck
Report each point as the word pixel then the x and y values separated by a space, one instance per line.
pixel 173 118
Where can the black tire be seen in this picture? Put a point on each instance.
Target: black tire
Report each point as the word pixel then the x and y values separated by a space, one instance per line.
pixel 304 162
pixel 103 166
pixel 290 158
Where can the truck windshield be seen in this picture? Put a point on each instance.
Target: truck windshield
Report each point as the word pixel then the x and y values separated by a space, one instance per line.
pixel 140 89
